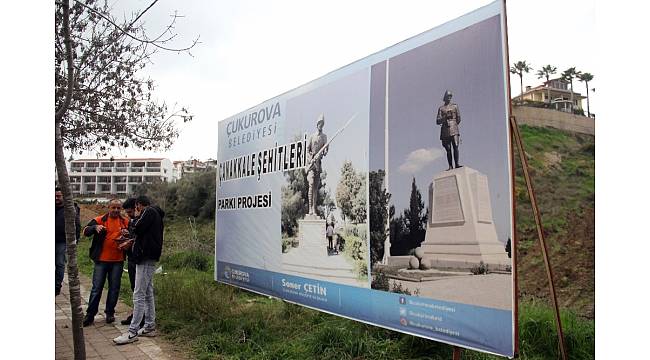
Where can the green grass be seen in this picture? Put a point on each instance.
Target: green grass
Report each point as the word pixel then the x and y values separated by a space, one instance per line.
pixel 216 321
pixel 565 188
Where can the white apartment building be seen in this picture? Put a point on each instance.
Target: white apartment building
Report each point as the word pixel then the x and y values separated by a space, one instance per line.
pixel 117 176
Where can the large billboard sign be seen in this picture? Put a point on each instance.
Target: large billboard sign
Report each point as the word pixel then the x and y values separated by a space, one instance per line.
pixel 381 191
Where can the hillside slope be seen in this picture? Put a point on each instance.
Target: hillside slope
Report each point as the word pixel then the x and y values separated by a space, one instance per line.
pixel 562 166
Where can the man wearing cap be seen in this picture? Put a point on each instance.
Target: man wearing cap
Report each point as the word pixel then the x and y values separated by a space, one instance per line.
pixel 316 142
pixel 448 118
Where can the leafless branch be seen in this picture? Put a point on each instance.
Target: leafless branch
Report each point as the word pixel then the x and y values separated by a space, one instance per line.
pixel 125 32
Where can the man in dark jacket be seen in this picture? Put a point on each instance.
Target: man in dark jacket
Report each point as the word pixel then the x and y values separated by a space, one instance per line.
pixel 107 232
pixel 60 245
pixel 129 208
pixel 146 252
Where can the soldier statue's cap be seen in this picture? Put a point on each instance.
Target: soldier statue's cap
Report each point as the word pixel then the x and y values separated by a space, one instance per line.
pixel 447 93
pixel 321 119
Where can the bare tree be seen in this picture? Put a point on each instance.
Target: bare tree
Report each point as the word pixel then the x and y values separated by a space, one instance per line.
pixel 101 103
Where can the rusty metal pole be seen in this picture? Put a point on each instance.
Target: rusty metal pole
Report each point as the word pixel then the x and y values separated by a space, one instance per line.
pixel 540 233
pixel 457 353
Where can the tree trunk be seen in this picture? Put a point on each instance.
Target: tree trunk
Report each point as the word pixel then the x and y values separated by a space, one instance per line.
pixel 521 86
pixel 587 86
pixel 571 96
pixel 69 210
pixel 70 238
pixel 548 91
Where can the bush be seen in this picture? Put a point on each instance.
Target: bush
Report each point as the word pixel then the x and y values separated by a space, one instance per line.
pixel 286 244
pixel 480 269
pixel 579 112
pixel 188 260
pixel 355 248
pixel 533 103
pixel 380 281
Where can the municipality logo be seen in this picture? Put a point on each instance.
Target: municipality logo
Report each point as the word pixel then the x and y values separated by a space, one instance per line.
pixel 226 272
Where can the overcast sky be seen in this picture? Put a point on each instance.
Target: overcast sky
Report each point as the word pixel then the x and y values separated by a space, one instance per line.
pixel 251 51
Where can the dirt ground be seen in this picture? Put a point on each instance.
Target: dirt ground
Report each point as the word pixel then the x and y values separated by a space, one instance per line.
pixel 89 211
pixel 573 265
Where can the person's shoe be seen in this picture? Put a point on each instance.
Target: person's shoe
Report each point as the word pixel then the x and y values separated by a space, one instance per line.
pixel 127 321
pixel 88 320
pixel 450 168
pixel 147 333
pixel 125 338
pixel 458 166
pixel 110 319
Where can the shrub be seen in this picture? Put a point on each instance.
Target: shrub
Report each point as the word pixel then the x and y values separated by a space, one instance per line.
pixel 286 244
pixel 188 260
pixel 480 269
pixel 380 281
pixel 579 112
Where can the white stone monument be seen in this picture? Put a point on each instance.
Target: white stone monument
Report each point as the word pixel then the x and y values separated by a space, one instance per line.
pixel 312 235
pixel 460 230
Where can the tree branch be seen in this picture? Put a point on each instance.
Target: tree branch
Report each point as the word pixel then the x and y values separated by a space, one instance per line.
pixel 145 41
pixel 58 115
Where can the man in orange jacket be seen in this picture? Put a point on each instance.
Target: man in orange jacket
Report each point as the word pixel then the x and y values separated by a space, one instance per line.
pixel 107 231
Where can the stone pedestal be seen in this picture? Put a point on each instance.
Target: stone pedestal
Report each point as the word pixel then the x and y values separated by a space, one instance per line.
pixel 460 230
pixel 312 236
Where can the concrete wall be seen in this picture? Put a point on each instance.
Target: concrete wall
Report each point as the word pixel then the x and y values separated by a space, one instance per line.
pixel 553 118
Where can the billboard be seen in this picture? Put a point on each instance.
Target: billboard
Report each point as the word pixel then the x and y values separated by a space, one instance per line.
pixel 381 192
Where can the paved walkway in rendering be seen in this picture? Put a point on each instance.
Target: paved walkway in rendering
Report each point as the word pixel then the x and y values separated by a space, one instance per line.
pixel 491 290
pixel 99 336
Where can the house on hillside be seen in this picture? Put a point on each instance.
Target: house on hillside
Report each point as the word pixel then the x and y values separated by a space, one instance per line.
pixel 560 95
pixel 184 167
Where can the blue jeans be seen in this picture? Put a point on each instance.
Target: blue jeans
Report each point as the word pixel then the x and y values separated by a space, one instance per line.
pixel 59 261
pixel 103 270
pixel 143 300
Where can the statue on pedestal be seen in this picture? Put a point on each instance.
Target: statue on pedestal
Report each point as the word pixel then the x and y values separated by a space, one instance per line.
pixel 448 118
pixel 316 148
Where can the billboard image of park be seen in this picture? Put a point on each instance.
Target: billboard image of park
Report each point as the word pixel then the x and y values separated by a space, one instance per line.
pixel 381 191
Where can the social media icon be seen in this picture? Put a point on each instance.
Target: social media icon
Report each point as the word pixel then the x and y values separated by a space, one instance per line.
pixel 403 321
pixel 402 300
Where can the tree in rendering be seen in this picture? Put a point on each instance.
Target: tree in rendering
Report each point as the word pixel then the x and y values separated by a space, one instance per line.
pixel 379 199
pixel 347 189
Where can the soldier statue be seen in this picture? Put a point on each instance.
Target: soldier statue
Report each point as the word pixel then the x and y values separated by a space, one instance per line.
pixel 316 148
pixel 448 118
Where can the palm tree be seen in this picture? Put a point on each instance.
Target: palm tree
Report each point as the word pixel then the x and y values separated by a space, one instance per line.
pixel 586 77
pixel 546 72
pixel 568 75
pixel 519 68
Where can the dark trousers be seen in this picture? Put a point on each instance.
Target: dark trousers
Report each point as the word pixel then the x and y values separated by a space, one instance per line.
pixel 131 268
pixel 102 271
pixel 59 261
